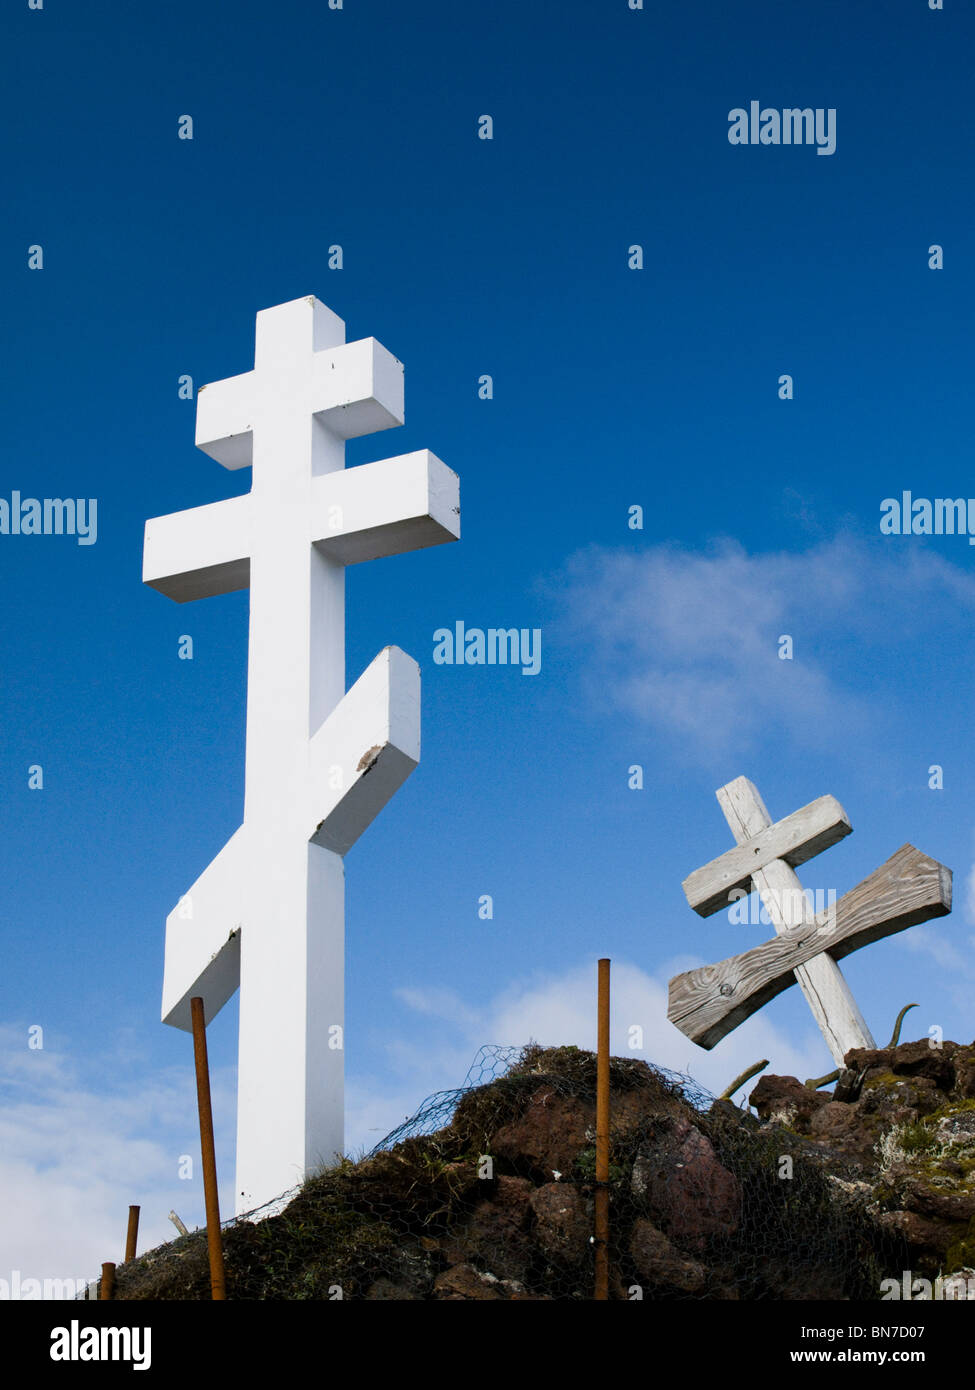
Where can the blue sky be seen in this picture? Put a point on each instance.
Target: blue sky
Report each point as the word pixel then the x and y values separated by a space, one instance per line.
pixel 612 387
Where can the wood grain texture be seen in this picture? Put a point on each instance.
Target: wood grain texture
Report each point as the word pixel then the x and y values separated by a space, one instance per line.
pixel 708 1003
pixel 827 993
pixel 793 840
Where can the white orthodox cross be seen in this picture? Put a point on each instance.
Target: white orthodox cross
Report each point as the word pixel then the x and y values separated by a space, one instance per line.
pixel 268 913
pixel 708 1003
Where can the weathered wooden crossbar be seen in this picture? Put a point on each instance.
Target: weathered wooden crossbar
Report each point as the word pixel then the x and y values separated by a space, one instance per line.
pixel 708 1003
pixel 795 839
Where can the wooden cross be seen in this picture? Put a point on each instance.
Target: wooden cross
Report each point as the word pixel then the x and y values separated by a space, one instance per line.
pixel 708 1003
pixel 268 913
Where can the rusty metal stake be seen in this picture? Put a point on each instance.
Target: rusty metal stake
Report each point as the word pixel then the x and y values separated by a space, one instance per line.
pixel 601 1232
pixel 218 1282
pixel 132 1234
pixel 106 1285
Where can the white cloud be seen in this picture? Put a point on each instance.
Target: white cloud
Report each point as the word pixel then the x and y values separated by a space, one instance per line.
pixel 79 1142
pixel 439 1003
pixel 929 939
pixel 687 641
pixel 957 966
pixel 559 1009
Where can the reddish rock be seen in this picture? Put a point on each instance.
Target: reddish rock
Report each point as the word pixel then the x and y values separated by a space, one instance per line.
pixel 937 1064
pixel 495 1236
pixel 922 1233
pixel 726 1112
pixel 633 1110
pixel 835 1122
pixel 692 1195
pixel 507 1209
pixel 562 1227
pixel 548 1136
pixel 965 1076
pixel 660 1263
pixel 937 1203
pixel 841 1128
pixel 690 1203
pixel 900 1100
pixel 867 1060
pixel 786 1101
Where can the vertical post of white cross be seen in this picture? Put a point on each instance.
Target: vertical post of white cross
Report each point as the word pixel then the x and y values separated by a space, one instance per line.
pixel 268 913
pixel 777 883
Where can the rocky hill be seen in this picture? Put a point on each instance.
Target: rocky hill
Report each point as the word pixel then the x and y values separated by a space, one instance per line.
pixel 818 1196
pixel 898 1133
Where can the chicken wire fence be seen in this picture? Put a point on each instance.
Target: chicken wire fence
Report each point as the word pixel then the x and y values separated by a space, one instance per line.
pixel 487 1191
